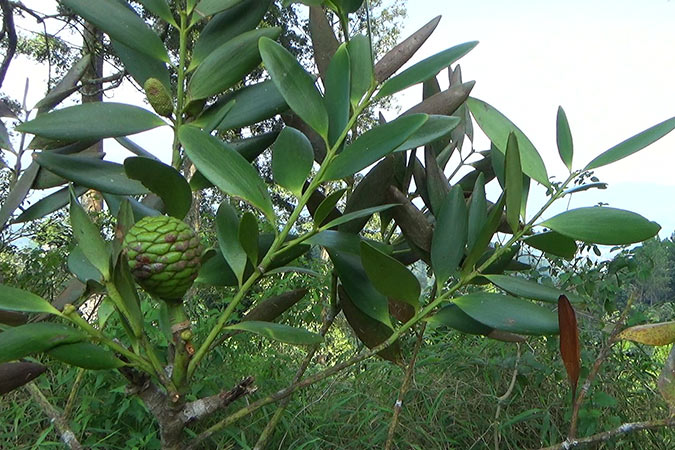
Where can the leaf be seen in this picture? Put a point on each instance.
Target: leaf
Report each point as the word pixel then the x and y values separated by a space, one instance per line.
pixel 273 307
pixel 13 299
pixel 66 86
pixel 508 313
pixel 129 307
pixel 564 138
pixel 327 205
pixel 570 350
pixel 292 160
pixel 207 8
pixel 17 374
pixel 89 238
pixel 337 93
pixel 585 187
pixel 93 173
pixel 602 225
pixel 242 56
pixel 359 288
pixel 633 144
pixel 139 209
pixel 477 212
pixel 453 317
pixel 296 86
pixel 666 381
pixel 226 168
pixel 248 236
pixel 530 289
pixel 120 22
pixel 450 233
pixel 389 276
pixel 225 26
pixel 134 148
pixel 96 120
pixel 514 183
pixel 48 204
pixel 654 334
pixel 25 340
pixel 85 355
pixel 553 243
pixel 349 6
pixel 163 180
pixel 356 215
pixel 373 145
pixel 18 193
pixel 497 127
pixel 161 9
pixel 425 69
pixel 361 63
pixel 278 332
pixel 369 331
pixel 435 128
pixel 484 236
pixel 227 229
pixel 139 66
pixel 79 265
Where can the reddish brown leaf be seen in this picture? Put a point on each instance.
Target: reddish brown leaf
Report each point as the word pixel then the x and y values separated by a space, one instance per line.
pixel 16 374
pixel 569 342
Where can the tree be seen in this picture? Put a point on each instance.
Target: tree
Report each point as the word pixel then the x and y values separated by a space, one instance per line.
pixel 370 282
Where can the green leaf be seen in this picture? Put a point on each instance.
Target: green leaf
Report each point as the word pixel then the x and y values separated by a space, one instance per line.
pixel 18 193
pixel 66 86
pixel 226 168
pixel 373 145
pixel 295 85
pixel 161 9
pixel 93 173
pixel 85 355
pixel 508 313
pixel 327 205
pixel 514 182
pixel 425 69
pixel 227 229
pixel 163 180
pixel 361 291
pixel 134 148
pixel 602 225
pixel 477 212
pixel 484 236
pixel 530 289
pixel 361 63
pixel 217 272
pixel 13 299
pixel 633 144
pixel 139 66
pixel 553 243
pixel 139 210
pixel 453 317
pixel 292 160
pixel 278 332
pixel 207 8
pixel 564 138
pixel 129 307
pixel 96 120
pixel 25 340
pixel 435 128
pixel 119 21
pixel 48 204
pixel 252 104
pixel 389 276
pixel 227 25
pixel 497 127
pixel 213 76
pixel 349 6
pixel 79 265
pixel 248 236
pixel 337 93
pixel 450 234
pixel 89 238
pixel 356 215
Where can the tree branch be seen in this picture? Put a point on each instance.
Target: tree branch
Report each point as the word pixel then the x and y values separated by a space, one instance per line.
pixel 55 417
pixel 10 30
pixel 204 407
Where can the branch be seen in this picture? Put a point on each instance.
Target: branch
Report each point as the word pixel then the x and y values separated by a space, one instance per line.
pixel 203 407
pixel 10 30
pixel 607 435
pixel 507 394
pixel 61 425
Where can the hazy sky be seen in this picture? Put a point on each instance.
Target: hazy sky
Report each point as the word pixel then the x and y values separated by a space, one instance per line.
pixel 610 64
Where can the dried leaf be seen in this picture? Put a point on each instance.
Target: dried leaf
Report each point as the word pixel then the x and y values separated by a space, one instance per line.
pixel 651 334
pixel 569 342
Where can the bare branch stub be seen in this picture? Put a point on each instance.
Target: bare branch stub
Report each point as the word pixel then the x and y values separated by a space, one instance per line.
pixel 8 30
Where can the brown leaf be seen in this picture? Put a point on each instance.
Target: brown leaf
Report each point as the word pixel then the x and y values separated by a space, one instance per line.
pixel 569 342
pixel 16 374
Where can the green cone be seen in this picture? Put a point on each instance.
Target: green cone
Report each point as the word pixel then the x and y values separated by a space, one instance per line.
pixel 164 256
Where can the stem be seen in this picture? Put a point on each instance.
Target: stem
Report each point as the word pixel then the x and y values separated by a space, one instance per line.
pixel 55 416
pixel 405 386
pixel 73 393
pixel 157 367
pixel 505 397
pixel 183 31
pixel 118 300
pixel 181 333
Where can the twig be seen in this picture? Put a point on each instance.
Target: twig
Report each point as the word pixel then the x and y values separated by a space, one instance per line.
pixel 55 417
pixel 505 397
pixel 596 368
pixel 10 31
pixel 203 407
pixel 73 393
pixel 405 386
pixel 607 435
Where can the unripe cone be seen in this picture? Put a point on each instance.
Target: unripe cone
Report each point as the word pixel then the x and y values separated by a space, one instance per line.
pixel 164 256
pixel 158 96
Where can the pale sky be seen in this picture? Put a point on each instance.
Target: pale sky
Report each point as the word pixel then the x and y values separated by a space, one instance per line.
pixel 610 64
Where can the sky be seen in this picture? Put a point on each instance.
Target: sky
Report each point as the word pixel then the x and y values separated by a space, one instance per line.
pixel 609 64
